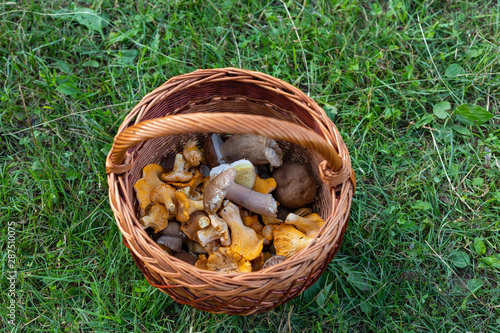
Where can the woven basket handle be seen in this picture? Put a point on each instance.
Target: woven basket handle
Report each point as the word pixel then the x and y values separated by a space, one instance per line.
pixel 230 123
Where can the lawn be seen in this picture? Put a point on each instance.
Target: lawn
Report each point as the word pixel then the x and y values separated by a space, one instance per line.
pixel 413 86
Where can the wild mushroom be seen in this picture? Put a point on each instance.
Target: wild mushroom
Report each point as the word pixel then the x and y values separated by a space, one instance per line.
pixel 165 194
pixel 156 218
pixel 222 229
pixel 265 186
pixel 288 240
pixel 192 154
pixel 296 185
pixel 186 206
pixel 227 261
pixel 223 186
pixel 268 231
pixel 178 174
pixel 202 262
pixel 271 220
pixel 273 261
pixel 186 257
pixel 212 150
pixel 173 243
pixel 310 224
pixel 197 221
pixel 195 182
pixel 245 172
pixel 256 148
pixel 252 221
pixel 147 184
pixel 173 229
pixel 245 240
pixel 207 235
pixel 191 195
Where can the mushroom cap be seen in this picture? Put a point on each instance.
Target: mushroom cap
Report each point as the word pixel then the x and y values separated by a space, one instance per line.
pixel 273 261
pixel 173 243
pixel 186 257
pixel 296 185
pixel 216 190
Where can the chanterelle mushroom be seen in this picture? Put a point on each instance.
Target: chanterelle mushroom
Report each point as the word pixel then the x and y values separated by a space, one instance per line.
pixel 222 229
pixel 245 240
pixel 192 154
pixel 227 261
pixel 310 224
pixel 197 221
pixel 288 240
pixel 223 186
pixel 178 174
pixel 165 194
pixel 157 218
pixel 186 206
pixel 144 186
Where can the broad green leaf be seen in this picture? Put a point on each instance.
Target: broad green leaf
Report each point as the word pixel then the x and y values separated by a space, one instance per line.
pixel 472 113
pixel 454 70
pixel 461 130
pixel 356 280
pixel 392 113
pixel 67 89
pixel 366 307
pixel 428 118
pixel 473 53
pixel 63 66
pixel 479 246
pixel 310 293
pixel 330 110
pixel 474 284
pixel 91 63
pixel 126 57
pixel 424 205
pixel 460 259
pixel 440 109
pixel 90 19
pixel 492 261
pixel 72 175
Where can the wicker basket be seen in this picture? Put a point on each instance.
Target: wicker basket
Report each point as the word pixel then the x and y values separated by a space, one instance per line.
pixel 231 101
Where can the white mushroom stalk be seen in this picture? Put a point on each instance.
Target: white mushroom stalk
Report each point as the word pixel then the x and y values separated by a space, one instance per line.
pixel 223 186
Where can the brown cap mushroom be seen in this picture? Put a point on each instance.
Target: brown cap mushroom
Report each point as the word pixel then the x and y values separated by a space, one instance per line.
pixel 173 243
pixel 296 185
pixel 216 190
pixel 273 261
pixel 257 149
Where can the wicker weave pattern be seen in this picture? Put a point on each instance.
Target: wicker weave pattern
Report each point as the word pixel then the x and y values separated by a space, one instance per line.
pixel 231 101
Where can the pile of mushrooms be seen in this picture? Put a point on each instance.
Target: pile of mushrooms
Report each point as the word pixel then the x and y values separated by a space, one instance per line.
pixel 220 208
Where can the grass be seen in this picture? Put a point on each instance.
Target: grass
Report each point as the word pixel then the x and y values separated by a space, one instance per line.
pixel 421 253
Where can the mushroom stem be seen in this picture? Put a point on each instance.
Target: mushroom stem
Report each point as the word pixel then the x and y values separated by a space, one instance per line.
pixel 263 204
